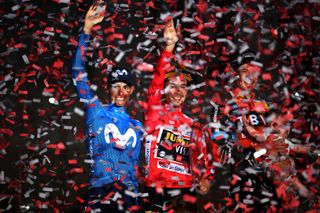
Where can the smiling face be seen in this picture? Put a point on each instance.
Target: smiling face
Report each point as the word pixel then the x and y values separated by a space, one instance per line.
pixel 249 74
pixel 176 90
pixel 120 93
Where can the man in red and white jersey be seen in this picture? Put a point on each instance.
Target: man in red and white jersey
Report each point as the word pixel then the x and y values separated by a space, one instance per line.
pixel 172 156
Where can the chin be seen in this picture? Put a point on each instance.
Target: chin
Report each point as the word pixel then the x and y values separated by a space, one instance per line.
pixel 120 104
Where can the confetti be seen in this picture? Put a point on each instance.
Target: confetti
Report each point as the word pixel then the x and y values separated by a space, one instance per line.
pixel 43 144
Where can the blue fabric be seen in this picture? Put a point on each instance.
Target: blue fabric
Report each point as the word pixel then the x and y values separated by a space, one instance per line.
pixel 113 137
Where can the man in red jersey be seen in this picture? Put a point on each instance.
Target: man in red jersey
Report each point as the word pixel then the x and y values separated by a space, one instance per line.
pixel 171 154
pixel 239 127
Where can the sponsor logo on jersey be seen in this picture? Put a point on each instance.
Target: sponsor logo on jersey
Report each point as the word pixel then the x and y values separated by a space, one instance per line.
pixel 174 167
pixel 172 147
pixel 121 140
pixel 254 118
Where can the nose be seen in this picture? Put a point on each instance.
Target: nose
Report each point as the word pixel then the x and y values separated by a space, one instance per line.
pixel 121 91
pixel 178 88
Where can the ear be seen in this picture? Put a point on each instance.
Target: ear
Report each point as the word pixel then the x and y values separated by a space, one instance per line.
pixel 131 90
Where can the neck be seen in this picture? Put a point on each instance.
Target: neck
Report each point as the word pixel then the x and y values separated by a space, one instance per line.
pixel 174 108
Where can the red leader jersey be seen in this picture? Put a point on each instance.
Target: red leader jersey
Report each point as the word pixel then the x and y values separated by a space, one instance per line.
pixel 170 152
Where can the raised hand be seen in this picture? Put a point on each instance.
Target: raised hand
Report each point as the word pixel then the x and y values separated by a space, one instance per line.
pixel 171 36
pixel 94 16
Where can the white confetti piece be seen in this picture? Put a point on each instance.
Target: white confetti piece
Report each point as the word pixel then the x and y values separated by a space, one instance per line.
pixel 248 30
pixel 25 59
pixel 15 7
pixel 31 182
pixel 66 117
pixel 78 111
pixel 68 127
pixel 43 195
pixel 129 39
pixel 89 161
pixel 48 33
pixel 47 189
pixel 131 194
pixel 200 156
pixel 35 161
pixel 119 56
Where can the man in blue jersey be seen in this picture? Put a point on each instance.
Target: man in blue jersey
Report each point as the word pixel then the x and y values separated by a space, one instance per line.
pixel 113 137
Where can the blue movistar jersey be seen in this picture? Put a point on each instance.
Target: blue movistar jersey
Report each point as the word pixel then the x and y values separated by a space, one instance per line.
pixel 113 137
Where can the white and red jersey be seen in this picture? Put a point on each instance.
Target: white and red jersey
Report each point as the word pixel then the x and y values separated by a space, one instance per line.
pixel 169 148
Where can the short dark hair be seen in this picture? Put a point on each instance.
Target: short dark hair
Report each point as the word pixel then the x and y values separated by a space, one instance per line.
pixel 192 77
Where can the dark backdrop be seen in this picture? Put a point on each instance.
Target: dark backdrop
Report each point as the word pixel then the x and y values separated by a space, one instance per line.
pixel 43 153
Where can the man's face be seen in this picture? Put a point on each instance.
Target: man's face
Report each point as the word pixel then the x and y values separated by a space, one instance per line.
pixel 176 90
pixel 120 93
pixel 249 74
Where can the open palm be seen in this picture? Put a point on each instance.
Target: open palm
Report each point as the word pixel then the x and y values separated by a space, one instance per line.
pixel 171 36
pixel 94 16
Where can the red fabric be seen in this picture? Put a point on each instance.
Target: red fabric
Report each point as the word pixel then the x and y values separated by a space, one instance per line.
pixel 258 106
pixel 172 124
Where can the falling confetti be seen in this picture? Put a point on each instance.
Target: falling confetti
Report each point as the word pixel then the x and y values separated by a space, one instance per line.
pixel 42 135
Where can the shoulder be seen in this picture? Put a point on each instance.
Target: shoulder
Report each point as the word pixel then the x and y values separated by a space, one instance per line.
pixel 136 123
pixel 188 119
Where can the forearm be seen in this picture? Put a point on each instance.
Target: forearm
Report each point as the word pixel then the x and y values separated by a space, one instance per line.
pixel 79 73
pixel 157 83
pixel 79 57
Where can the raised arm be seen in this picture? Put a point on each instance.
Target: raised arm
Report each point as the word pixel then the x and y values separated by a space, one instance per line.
pixel 79 73
pixel 157 83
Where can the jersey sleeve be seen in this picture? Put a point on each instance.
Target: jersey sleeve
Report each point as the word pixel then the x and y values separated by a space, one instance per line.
pixel 153 112
pixel 80 77
pixel 157 83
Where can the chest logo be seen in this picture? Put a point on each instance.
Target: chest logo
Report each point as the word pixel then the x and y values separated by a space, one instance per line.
pixel 120 139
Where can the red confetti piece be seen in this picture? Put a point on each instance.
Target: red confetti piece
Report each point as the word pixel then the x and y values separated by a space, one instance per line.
pixel 72 161
pixel 189 198
pixel 266 76
pixel 81 200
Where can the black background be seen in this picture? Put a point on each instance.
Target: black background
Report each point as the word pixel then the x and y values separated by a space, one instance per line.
pixel 46 32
